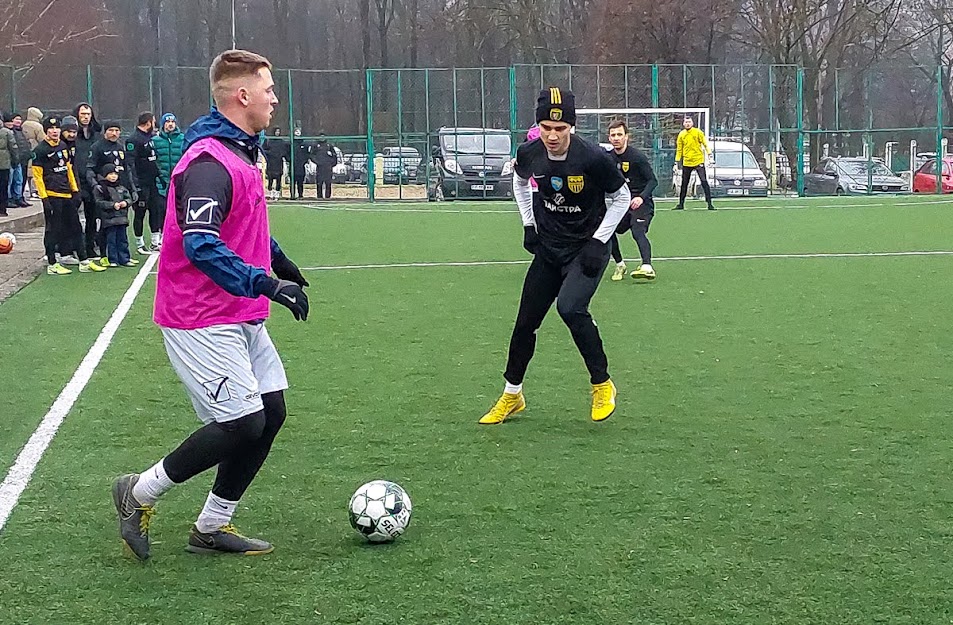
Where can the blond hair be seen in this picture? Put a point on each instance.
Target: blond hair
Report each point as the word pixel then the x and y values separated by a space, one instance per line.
pixel 233 64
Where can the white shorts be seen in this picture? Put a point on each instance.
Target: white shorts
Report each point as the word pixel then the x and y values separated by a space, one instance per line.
pixel 225 368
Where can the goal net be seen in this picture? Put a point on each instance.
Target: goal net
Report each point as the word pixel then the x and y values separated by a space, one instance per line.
pixel 651 130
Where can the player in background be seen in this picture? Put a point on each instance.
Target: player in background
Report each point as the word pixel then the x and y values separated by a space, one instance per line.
pixel 566 226
pixel 212 298
pixel 640 178
pixel 690 151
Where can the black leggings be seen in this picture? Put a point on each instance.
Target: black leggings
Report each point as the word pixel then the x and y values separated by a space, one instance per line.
pixel 572 291
pixel 638 224
pixel 702 178
pixel 274 182
pixel 238 447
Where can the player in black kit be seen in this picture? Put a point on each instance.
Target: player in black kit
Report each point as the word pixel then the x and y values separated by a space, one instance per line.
pixel 638 174
pixel 567 224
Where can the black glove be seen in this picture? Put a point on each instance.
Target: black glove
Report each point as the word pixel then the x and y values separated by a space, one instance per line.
pixel 99 189
pixel 135 197
pixel 285 269
pixel 530 239
pixel 290 295
pixel 593 258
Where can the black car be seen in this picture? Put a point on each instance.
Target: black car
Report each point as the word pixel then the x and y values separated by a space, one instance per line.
pixel 473 163
pixel 850 176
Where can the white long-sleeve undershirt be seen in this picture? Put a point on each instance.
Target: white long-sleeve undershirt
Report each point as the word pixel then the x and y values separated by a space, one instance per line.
pixel 524 199
pixel 617 204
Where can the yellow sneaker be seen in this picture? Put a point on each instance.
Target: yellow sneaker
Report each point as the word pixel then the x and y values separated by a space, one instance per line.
pixel 644 272
pixel 619 272
pixel 508 404
pixel 88 266
pixel 603 400
pixel 57 270
pixel 104 262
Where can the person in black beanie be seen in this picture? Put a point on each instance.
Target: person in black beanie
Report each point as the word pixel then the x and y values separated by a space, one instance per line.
pixel 567 223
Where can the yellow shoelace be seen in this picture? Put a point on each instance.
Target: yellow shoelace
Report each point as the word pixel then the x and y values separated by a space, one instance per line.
pixel 147 513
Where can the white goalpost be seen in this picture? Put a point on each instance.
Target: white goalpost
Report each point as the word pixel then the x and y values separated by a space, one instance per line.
pixel 701 116
pixel 653 130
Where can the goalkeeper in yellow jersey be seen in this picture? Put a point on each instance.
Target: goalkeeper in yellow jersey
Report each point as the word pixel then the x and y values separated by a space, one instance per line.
pixel 690 151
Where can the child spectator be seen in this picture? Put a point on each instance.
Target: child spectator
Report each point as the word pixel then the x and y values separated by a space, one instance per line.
pixel 113 201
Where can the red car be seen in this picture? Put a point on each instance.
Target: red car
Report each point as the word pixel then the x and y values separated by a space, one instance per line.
pixel 924 180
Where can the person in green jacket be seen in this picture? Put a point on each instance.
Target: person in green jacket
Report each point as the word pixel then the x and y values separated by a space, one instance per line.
pixel 168 147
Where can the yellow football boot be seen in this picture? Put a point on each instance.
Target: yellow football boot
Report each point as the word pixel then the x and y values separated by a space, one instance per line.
pixel 508 404
pixel 603 400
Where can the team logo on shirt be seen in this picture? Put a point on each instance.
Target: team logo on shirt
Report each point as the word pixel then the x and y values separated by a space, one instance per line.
pixel 576 183
pixel 556 182
pixel 199 210
pixel 625 166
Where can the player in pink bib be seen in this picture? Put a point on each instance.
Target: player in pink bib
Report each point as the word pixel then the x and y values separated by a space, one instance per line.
pixel 213 294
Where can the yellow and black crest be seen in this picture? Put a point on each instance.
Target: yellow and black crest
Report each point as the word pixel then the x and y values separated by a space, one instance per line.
pixel 555 98
pixel 576 183
pixel 625 166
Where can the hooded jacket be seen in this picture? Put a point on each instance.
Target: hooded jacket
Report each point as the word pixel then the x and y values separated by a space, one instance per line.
pixel 85 138
pixel 207 251
pixel 8 148
pixel 107 195
pixel 33 127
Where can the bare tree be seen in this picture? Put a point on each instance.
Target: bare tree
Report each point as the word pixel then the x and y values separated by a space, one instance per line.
pixel 39 29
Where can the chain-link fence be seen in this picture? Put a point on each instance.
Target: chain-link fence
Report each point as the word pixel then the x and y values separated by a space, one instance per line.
pixel 395 130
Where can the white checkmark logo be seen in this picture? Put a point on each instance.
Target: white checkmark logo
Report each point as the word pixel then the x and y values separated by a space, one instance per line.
pixel 200 210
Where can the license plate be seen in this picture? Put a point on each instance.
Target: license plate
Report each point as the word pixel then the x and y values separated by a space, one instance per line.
pixel 481 187
pixel 737 192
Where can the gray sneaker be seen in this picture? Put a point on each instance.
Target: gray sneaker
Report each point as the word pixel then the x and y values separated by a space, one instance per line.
pixel 226 540
pixel 134 517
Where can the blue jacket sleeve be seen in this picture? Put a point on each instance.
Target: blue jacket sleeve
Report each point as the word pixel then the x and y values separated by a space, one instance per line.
pixel 276 251
pixel 212 257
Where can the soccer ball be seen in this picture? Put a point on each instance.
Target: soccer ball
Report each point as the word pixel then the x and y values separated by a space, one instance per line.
pixel 380 511
pixel 7 241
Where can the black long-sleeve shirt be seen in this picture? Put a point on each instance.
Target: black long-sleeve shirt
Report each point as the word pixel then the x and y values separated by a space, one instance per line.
pixel 637 171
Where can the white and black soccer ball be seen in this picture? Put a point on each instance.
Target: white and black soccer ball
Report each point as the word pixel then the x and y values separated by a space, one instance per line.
pixel 380 511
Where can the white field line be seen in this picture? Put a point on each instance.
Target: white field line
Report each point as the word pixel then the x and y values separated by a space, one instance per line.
pixel 483 263
pixel 29 457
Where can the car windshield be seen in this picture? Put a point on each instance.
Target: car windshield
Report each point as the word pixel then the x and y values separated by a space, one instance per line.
pixel 477 144
pixel 859 168
pixel 735 160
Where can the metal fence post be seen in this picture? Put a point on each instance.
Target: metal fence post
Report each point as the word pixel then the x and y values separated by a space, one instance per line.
pixel 370 133
pixel 513 118
pixel 291 137
pixel 939 128
pixel 89 84
pixel 800 131
pixel 654 86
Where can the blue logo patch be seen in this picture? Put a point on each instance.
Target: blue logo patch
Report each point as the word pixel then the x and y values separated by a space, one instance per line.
pixel 556 182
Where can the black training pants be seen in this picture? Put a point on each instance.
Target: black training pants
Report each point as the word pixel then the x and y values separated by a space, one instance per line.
pixel 702 178
pixel 572 290
pixel 149 201
pixel 63 230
